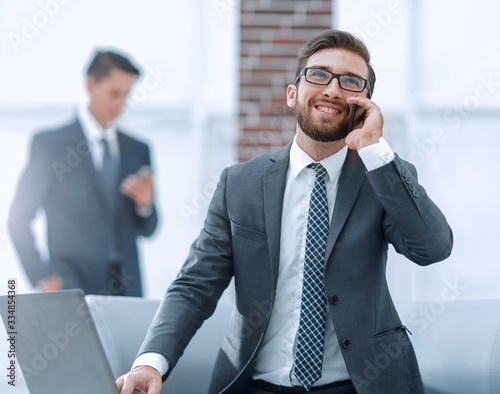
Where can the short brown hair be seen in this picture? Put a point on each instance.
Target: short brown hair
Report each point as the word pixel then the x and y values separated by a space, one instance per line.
pixel 105 61
pixel 336 39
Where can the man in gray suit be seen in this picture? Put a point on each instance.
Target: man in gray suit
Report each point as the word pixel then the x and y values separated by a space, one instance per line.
pixel 86 176
pixel 261 229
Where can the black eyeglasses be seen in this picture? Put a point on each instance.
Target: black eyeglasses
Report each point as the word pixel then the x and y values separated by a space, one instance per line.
pixel 320 76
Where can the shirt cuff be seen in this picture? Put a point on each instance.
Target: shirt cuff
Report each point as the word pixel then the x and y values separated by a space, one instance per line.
pixel 376 155
pixel 155 360
pixel 144 212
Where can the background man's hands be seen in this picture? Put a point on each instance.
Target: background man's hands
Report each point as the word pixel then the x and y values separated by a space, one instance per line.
pixel 139 187
pixel 143 379
pixel 371 131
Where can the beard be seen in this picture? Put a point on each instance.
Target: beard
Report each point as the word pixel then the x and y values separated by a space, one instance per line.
pixel 322 130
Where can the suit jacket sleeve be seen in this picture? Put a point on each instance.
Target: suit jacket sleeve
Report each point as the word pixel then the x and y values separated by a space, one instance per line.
pixel 413 224
pixel 147 224
pixel 33 188
pixel 194 294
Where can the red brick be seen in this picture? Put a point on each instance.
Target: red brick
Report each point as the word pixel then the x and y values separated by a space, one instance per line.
pixel 268 63
pixel 298 36
pixel 285 5
pixel 270 49
pixel 263 93
pixel 272 33
pixel 276 107
pixel 275 123
pixel 263 78
pixel 286 20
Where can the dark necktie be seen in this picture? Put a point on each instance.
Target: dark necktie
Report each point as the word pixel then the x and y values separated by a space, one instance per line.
pixel 108 173
pixel 109 179
pixel 308 362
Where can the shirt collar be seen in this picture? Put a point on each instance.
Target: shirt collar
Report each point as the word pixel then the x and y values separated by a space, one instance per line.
pixel 333 164
pixel 91 128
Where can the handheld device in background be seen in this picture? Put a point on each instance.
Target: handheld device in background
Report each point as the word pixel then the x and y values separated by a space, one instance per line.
pixel 144 170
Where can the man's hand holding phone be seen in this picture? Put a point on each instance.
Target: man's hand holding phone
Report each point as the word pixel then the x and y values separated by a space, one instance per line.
pixel 366 130
pixel 139 187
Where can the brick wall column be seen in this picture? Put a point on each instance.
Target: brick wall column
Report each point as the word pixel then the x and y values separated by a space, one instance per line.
pixel 272 32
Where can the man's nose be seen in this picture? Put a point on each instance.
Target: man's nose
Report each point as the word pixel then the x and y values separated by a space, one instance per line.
pixel 333 89
pixel 120 102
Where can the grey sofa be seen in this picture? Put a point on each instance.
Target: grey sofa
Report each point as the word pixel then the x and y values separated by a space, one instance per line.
pixel 457 344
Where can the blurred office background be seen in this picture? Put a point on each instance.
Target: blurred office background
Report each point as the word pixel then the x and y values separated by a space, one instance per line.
pixel 217 73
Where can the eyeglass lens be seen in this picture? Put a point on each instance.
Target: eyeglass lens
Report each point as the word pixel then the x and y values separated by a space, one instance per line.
pixel 324 77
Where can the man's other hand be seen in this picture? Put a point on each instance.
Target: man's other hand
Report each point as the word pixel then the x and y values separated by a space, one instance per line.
pixel 143 379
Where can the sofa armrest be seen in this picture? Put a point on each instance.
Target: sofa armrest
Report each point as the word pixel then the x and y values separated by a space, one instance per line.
pixel 457 344
pixel 122 323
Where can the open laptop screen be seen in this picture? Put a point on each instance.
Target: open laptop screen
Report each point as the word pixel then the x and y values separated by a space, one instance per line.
pixel 56 343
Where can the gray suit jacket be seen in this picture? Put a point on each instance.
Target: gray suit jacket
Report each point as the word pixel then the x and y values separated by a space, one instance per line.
pixel 84 233
pixel 241 239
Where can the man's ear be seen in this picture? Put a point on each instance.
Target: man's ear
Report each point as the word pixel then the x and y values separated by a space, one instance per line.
pixel 91 82
pixel 291 95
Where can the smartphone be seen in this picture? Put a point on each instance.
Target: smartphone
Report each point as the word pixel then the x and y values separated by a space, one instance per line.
pixel 144 170
pixel 356 118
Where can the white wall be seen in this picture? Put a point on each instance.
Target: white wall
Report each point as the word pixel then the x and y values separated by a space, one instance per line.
pixel 439 89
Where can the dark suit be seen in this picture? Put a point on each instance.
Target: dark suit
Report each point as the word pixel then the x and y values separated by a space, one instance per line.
pixel 241 238
pixel 92 245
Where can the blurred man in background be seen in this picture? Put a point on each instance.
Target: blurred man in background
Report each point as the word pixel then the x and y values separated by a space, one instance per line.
pixel 95 186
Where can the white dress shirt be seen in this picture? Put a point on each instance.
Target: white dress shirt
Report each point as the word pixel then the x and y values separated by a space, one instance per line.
pixel 274 362
pixel 94 133
pixel 276 355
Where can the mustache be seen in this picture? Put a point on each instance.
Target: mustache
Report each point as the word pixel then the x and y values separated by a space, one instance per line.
pixel 345 107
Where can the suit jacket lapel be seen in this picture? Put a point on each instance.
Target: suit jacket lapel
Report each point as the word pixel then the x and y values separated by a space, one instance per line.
pixel 274 189
pixel 350 181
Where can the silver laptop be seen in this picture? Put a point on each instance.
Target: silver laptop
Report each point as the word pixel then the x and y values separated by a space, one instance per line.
pixel 56 343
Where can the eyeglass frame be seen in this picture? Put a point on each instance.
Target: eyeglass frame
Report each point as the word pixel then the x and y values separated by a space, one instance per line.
pixel 334 76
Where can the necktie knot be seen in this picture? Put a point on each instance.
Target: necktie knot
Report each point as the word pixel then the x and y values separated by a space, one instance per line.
pixel 320 170
pixel 104 142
